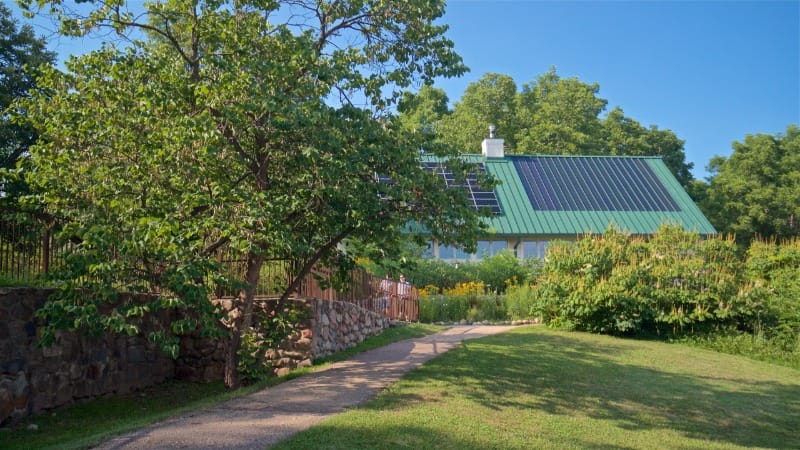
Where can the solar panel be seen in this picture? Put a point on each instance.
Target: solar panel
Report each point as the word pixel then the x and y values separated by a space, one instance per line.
pixel 592 184
pixel 481 198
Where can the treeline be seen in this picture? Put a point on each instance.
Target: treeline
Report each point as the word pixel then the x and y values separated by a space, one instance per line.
pixel 550 115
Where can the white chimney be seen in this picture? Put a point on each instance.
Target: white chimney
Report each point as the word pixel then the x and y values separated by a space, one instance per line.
pixel 492 147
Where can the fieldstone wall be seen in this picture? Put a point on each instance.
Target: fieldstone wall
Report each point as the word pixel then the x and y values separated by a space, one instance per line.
pixel 339 326
pixel 329 327
pixel 82 367
pixel 77 367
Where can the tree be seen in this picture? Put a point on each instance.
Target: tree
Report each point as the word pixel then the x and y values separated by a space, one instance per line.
pixel 488 101
pixel 224 128
pixel 424 110
pixel 21 53
pixel 756 191
pixel 560 116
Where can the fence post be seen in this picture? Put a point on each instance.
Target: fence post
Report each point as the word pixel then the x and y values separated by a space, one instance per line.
pixel 46 250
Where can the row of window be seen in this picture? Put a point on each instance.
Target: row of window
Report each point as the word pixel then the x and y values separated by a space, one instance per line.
pixel 526 249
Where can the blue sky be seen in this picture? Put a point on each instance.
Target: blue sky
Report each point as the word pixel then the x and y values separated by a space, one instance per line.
pixel 710 71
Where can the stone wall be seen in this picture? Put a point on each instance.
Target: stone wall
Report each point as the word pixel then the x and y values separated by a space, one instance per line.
pixel 82 367
pixel 77 367
pixel 329 327
pixel 339 326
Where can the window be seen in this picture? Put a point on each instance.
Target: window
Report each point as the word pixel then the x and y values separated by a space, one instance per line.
pixel 461 255
pixel 530 249
pixel 428 252
pixel 484 248
pixel 498 246
pixel 447 252
pixel 490 248
pixel 534 249
pixel 543 248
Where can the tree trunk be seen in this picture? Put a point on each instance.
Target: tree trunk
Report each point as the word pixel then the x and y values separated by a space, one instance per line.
pixel 241 319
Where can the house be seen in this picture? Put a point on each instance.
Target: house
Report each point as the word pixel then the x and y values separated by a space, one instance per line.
pixel 543 198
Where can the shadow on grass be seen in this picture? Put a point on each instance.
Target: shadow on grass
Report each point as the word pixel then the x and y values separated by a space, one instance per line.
pixel 571 375
pixel 358 436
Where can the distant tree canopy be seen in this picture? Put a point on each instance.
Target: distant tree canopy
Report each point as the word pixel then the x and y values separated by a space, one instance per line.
pixel 551 115
pixel 21 53
pixel 756 190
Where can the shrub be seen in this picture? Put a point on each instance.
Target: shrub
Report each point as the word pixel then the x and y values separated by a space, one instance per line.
pixel 428 272
pixel 772 288
pixel 520 302
pixel 617 284
pixel 466 301
pixel 497 272
pixel 784 350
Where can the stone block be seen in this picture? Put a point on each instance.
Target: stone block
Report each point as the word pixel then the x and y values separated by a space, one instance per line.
pixel 12 365
pixel 303 344
pixel 7 405
pixel 136 354
pixel 294 355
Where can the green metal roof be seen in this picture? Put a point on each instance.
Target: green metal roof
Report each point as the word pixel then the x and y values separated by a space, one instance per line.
pixel 587 194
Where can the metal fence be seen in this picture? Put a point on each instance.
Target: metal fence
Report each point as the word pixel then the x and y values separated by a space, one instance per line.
pixel 28 249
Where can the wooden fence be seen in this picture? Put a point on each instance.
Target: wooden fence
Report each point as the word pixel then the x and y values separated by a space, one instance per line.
pixel 28 249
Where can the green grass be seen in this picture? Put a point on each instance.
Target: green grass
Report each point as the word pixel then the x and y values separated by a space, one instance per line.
pixel 87 424
pixel 7 280
pixel 538 388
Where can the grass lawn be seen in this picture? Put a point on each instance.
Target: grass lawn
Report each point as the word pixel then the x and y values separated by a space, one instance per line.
pixel 538 388
pixel 89 423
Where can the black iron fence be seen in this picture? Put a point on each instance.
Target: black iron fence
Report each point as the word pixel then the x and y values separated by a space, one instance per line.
pixel 28 247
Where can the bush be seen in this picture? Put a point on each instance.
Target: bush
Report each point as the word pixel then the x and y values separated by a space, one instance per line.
pixel 496 273
pixel 520 302
pixel 466 301
pixel 772 288
pixel 617 284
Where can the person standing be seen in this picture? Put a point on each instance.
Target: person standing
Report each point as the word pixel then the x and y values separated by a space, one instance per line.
pixel 386 289
pixel 403 288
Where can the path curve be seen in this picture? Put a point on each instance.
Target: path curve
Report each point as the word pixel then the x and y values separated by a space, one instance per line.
pixel 273 414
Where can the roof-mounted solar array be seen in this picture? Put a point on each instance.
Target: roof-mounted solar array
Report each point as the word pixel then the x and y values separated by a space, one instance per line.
pixel 592 184
pixel 481 198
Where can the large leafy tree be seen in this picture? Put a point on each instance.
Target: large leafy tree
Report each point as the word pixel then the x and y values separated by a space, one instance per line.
pixel 488 101
pixel 256 125
pixel 560 116
pixel 21 53
pixel 756 191
pixel 423 111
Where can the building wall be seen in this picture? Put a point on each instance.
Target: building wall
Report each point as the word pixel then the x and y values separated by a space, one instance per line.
pixel 523 248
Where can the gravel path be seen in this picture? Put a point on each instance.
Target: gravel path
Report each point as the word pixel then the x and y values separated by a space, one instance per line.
pixel 266 417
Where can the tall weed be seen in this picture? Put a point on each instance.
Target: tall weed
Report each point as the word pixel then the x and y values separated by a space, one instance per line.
pixel 466 301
